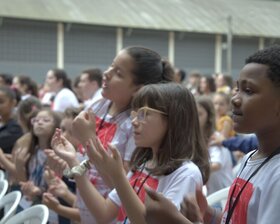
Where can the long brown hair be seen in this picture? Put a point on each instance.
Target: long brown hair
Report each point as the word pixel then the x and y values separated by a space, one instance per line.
pixel 183 140
pixel 210 125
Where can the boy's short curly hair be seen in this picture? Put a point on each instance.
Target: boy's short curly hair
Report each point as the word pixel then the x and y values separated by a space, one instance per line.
pixel 271 57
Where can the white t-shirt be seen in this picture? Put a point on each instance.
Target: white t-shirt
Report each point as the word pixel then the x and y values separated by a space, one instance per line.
pixel 224 176
pixel 46 100
pixel 64 99
pixel 174 186
pixel 96 97
pixel 260 200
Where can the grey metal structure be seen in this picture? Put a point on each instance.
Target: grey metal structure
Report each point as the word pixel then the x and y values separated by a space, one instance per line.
pixel 36 35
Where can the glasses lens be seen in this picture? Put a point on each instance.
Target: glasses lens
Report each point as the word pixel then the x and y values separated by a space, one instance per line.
pixel 133 115
pixel 46 120
pixel 42 119
pixel 141 115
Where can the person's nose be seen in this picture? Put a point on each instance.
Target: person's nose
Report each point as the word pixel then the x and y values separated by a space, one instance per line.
pixel 236 100
pixel 108 73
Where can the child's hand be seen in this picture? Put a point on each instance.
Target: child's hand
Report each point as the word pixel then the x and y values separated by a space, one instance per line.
pixel 49 176
pixel 83 126
pixel 55 162
pixel 1 152
pixel 58 189
pixel 50 201
pixel 29 190
pixel 159 209
pixel 194 207
pixel 105 162
pixel 64 149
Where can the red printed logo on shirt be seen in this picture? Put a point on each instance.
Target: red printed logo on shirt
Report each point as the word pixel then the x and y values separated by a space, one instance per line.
pixel 240 212
pixel 106 131
pixel 138 180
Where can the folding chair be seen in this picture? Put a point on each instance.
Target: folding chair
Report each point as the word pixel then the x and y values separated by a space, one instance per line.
pixel 37 214
pixel 3 187
pixel 9 204
pixel 2 175
pixel 218 197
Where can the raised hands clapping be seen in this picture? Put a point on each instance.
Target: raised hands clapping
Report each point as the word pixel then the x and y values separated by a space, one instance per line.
pixel 64 149
pixel 83 126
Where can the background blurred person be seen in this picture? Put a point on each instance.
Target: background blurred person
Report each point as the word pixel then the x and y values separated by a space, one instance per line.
pixel 90 86
pixel 26 86
pixel 6 79
pixel 58 82
pixel 207 85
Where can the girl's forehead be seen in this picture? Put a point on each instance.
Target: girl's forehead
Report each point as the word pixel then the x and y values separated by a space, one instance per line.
pixel 44 114
pixel 219 97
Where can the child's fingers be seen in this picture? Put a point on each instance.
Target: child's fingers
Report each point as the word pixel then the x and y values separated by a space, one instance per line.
pixel 114 150
pixel 91 115
pixel 86 115
pixel 100 148
pixel 92 153
pixel 152 194
pixel 200 198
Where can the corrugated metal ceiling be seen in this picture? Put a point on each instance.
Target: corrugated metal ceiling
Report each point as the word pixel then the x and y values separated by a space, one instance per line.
pixel 249 18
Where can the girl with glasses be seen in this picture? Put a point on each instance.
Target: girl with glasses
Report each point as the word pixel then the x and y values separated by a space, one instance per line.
pixel 170 155
pixel 30 161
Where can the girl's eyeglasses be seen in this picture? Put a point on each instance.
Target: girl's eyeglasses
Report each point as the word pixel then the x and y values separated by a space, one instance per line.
pixel 43 119
pixel 141 113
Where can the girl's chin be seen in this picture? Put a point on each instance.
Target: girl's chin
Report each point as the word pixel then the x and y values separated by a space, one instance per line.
pixel 105 94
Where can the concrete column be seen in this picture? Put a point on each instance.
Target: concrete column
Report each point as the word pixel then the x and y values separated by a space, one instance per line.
pixel 218 53
pixel 60 45
pixel 171 47
pixel 119 40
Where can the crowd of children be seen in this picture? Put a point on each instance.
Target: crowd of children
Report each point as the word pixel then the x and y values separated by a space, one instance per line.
pixel 133 146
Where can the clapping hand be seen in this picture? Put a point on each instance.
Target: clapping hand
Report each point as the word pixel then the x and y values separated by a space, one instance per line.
pixel 109 162
pixel 29 190
pixel 83 126
pixel 64 149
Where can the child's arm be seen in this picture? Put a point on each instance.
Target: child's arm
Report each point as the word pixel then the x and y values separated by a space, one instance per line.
pixel 68 212
pixel 104 210
pixel 63 193
pixel 215 166
pixel 194 209
pixel 21 157
pixel 243 143
pixel 7 163
pixel 161 210
pixel 112 165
